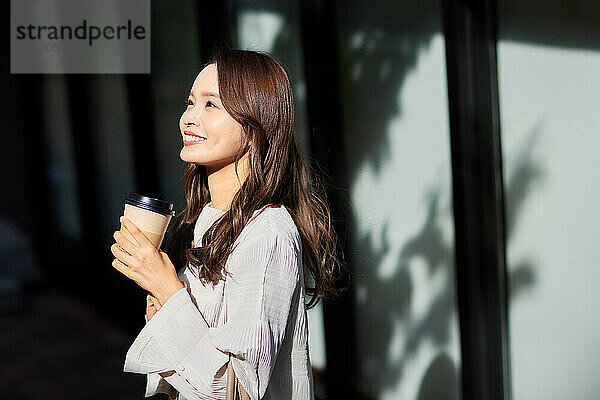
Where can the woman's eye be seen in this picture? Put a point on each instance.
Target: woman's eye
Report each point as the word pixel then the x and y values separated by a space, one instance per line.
pixel 210 102
pixel 188 103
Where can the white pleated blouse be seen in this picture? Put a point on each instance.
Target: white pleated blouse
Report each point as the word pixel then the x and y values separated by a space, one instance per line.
pixel 257 314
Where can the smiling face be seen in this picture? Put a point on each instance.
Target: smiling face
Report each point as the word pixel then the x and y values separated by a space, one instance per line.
pixel 205 117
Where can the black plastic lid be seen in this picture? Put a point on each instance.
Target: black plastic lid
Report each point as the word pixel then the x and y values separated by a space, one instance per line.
pixel 150 203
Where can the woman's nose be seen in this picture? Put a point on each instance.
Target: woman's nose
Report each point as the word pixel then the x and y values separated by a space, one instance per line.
pixel 189 119
pixel 192 116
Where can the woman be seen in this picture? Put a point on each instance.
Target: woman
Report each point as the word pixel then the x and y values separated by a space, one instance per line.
pixel 255 219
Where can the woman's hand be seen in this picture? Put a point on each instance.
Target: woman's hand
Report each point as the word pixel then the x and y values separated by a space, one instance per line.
pixel 152 306
pixel 143 263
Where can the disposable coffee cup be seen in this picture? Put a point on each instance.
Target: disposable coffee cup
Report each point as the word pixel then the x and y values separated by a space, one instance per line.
pixel 150 215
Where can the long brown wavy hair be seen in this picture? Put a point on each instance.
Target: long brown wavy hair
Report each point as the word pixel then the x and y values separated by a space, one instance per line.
pixel 255 90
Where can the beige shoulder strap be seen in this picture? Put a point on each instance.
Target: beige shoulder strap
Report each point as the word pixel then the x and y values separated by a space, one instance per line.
pixel 235 391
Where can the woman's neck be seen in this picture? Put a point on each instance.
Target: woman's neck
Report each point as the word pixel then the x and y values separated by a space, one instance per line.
pixel 223 184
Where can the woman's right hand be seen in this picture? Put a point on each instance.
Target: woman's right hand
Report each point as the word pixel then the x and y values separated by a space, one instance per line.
pixel 152 304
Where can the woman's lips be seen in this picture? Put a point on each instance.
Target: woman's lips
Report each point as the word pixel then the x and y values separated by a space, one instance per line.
pixel 192 142
pixel 188 141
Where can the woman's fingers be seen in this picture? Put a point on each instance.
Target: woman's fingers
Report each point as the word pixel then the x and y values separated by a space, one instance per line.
pixel 153 302
pixel 122 268
pixel 136 232
pixel 150 311
pixel 124 243
pixel 152 306
pixel 123 256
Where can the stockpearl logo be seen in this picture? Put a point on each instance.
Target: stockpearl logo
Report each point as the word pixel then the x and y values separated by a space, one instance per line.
pixel 80 36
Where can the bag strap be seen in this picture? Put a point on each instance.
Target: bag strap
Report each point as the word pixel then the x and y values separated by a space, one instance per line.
pixel 235 390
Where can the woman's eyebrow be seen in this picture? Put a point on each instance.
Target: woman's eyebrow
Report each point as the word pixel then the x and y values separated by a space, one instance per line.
pixel 206 94
pixel 210 94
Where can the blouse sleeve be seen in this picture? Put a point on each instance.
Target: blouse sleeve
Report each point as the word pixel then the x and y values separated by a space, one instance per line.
pixel 178 344
pixel 155 383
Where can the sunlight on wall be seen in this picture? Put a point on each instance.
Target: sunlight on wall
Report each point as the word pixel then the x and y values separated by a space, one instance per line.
pixel 550 123
pixel 258 29
pixel 404 229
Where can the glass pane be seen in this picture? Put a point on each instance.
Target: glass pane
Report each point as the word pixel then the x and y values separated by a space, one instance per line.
pixel 548 63
pixel 395 117
pixel 175 64
pixel 61 167
pixel 273 26
pixel 112 144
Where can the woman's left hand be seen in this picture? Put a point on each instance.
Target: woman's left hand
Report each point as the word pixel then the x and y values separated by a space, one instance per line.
pixel 148 267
